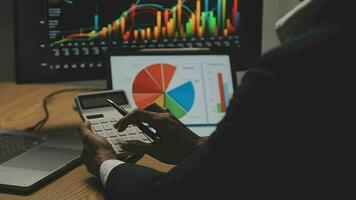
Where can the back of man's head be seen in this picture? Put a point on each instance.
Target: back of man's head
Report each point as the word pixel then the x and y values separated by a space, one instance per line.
pixel 310 13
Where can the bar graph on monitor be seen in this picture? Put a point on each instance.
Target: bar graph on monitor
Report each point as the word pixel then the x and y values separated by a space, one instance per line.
pixel 146 21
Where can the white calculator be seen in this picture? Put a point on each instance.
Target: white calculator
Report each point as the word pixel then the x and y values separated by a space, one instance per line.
pixel 95 108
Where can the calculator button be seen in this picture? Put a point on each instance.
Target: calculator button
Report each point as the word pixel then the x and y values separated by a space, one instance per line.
pixel 94 122
pixel 136 137
pixel 142 137
pixel 112 133
pixel 123 133
pixel 107 127
pixel 97 128
pixel 116 140
pixel 131 130
pixel 113 120
pixel 130 127
pixel 103 121
pixel 126 138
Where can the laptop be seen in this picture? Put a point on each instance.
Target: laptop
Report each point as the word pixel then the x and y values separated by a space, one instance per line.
pixel 194 87
pixel 28 159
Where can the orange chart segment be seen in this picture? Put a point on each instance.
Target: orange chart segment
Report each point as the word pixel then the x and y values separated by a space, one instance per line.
pixel 168 72
pixel 160 100
pixel 144 83
pixel 156 72
pixel 144 99
pixel 151 83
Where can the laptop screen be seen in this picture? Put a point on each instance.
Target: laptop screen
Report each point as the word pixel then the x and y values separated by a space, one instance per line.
pixel 194 88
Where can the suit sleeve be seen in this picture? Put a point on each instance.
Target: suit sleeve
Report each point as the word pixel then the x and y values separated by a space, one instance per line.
pixel 130 181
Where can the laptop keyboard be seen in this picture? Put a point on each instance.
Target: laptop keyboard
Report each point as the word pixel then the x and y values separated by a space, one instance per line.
pixel 14 145
pixel 104 128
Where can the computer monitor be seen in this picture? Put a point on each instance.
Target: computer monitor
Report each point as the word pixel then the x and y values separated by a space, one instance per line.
pixel 66 40
pixel 195 88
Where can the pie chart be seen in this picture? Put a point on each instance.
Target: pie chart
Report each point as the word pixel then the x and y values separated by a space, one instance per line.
pixel 151 85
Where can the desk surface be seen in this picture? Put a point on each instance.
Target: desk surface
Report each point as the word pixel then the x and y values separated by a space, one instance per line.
pixel 21 107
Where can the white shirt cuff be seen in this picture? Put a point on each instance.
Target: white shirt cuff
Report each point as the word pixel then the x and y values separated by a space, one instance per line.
pixel 106 168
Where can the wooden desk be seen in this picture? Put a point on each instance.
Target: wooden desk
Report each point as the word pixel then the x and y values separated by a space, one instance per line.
pixel 21 107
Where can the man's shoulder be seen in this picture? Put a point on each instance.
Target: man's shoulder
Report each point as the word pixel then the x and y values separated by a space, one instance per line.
pixel 315 44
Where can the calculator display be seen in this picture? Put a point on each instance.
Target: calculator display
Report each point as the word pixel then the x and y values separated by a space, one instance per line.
pixel 100 100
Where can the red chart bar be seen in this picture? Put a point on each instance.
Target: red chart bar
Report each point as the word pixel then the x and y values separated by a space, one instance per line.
pixel 235 11
pixel 166 17
pixel 133 13
pixel 179 7
pixel 222 93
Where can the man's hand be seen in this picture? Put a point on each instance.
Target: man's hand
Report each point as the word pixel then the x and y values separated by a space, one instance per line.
pixel 96 150
pixel 176 140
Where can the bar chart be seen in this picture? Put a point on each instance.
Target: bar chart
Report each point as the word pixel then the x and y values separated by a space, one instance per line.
pixel 224 94
pixel 148 21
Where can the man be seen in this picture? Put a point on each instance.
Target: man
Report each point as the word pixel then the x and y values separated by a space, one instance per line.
pixel 285 134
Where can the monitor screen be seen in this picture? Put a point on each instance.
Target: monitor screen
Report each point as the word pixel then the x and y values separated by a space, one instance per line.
pixel 61 40
pixel 194 88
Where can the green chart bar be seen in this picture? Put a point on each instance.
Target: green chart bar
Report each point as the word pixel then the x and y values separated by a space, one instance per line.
pixel 206 9
pixel 204 20
pixel 212 23
pixel 219 14
pixel 223 16
pixel 96 20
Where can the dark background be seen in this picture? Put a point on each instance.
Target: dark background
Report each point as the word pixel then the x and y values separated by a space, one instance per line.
pixel 6 41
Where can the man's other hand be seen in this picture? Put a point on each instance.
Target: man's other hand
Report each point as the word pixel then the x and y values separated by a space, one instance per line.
pixel 96 150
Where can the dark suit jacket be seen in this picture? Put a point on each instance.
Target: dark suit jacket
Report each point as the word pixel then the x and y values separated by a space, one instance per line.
pixel 285 133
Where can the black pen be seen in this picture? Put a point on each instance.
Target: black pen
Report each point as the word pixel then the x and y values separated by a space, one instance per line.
pixel 141 126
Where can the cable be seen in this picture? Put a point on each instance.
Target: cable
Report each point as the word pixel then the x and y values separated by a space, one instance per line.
pixel 39 125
